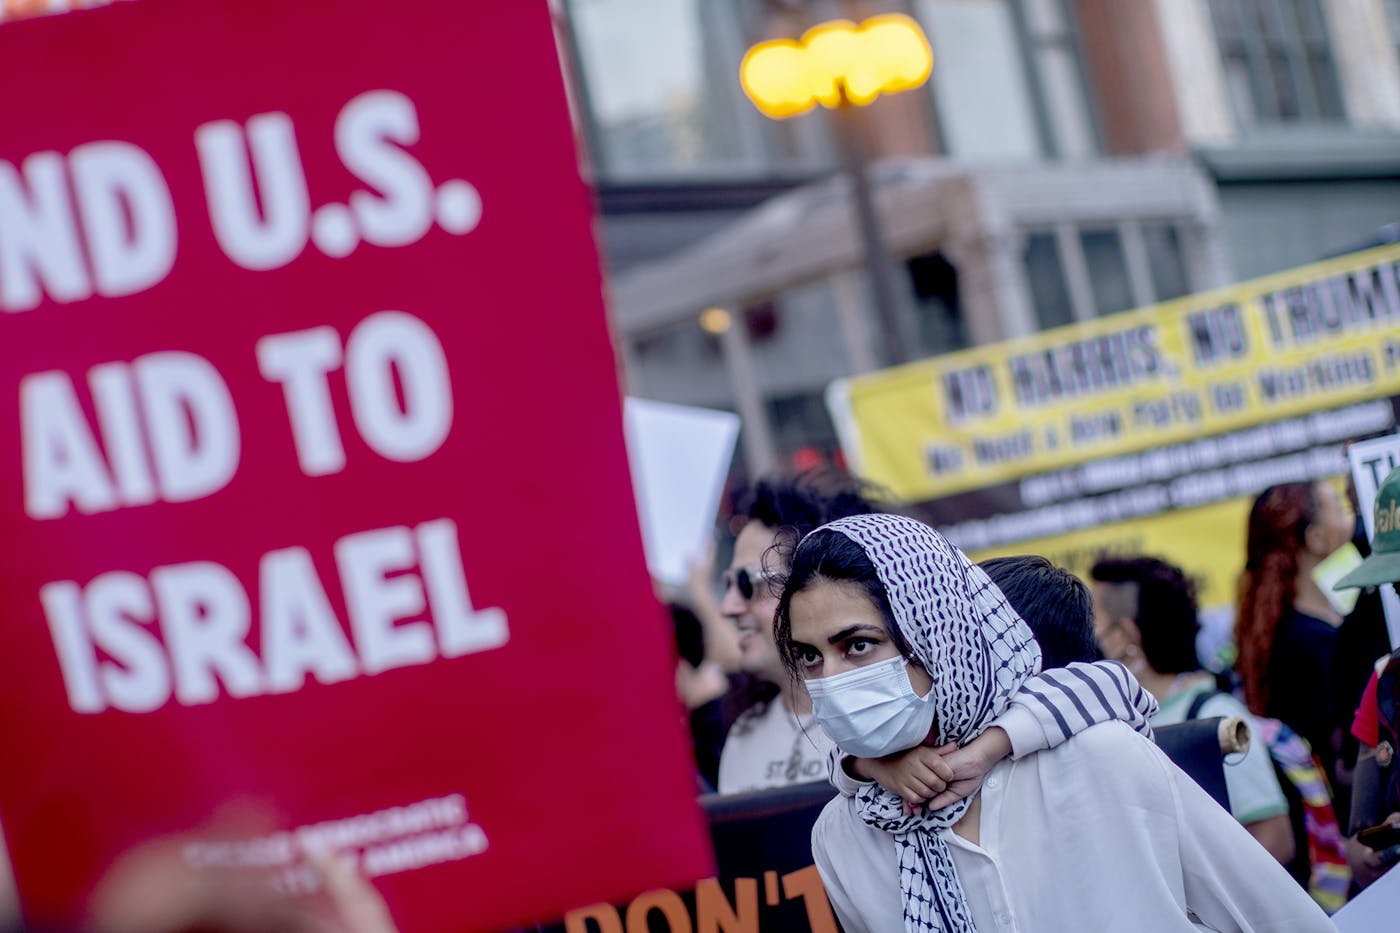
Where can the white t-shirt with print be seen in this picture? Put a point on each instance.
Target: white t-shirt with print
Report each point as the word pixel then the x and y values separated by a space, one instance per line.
pixel 771 746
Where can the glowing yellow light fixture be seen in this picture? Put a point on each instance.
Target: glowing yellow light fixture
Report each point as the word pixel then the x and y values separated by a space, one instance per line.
pixel 715 321
pixel 836 63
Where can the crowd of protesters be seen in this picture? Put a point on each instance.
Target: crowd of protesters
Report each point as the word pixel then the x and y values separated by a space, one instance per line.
pixel 1319 690
pixel 988 727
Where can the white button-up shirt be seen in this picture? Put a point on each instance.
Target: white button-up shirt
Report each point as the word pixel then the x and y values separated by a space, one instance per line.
pixel 1101 834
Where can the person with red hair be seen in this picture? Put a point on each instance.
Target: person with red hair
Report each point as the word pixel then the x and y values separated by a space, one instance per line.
pixel 1285 628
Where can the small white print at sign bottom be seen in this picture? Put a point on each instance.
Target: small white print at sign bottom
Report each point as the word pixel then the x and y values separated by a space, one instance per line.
pixel 448 845
pixel 385 842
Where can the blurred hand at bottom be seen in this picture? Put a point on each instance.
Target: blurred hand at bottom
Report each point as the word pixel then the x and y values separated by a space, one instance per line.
pixel 152 889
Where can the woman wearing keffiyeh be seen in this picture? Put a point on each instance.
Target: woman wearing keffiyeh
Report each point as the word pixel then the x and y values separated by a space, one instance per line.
pixel 902 640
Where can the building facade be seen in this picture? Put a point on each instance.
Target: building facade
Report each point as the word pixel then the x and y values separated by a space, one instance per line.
pixel 1068 159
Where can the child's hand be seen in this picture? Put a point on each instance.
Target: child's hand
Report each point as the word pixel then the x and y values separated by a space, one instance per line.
pixel 914 775
pixel 968 765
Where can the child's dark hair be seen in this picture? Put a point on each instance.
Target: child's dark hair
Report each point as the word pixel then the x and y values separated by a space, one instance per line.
pixel 1055 604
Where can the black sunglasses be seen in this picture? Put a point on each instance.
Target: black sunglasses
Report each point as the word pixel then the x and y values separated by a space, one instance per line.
pixel 746 579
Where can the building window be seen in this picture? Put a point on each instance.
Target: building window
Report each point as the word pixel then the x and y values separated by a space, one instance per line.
pixel 1060 85
pixel 802 426
pixel 980 86
pixel 937 304
pixel 1076 273
pixel 659 89
pixel 1107 265
pixel 1046 275
pixel 1166 260
pixel 1278 62
pixel 1392 18
pixel 1007 80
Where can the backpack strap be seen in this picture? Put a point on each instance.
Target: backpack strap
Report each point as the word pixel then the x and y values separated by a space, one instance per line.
pixel 1205 696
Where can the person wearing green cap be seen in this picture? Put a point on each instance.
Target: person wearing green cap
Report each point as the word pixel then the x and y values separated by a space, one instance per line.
pixel 1375 802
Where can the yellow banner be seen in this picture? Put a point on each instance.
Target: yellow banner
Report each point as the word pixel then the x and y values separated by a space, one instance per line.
pixel 1206 542
pixel 1310 340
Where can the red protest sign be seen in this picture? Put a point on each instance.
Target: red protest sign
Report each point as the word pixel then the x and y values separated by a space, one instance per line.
pixel 311 465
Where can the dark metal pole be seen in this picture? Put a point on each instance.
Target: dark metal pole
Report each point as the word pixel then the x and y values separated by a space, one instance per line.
pixel 851 138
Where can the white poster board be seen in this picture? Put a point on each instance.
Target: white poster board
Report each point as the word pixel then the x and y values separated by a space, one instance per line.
pixel 1374 909
pixel 680 457
pixel 1371 461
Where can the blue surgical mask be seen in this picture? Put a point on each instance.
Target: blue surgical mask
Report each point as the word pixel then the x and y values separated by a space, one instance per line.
pixel 872 710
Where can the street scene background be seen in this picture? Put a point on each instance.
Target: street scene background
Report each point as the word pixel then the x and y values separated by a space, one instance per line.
pixel 1106 271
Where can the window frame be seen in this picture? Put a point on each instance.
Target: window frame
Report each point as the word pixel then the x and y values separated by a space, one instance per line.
pixel 1299 50
pixel 1032 45
pixel 765 145
pixel 1074 269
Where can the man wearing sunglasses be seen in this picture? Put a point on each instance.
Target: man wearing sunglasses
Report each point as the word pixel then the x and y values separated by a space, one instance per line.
pixel 772 742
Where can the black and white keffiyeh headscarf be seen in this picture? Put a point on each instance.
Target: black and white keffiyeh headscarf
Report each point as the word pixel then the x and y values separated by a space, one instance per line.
pixel 978 652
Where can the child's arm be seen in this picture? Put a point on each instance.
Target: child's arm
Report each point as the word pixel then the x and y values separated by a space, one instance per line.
pixel 1046 711
pixel 1061 702
pixel 924 775
pixel 914 775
